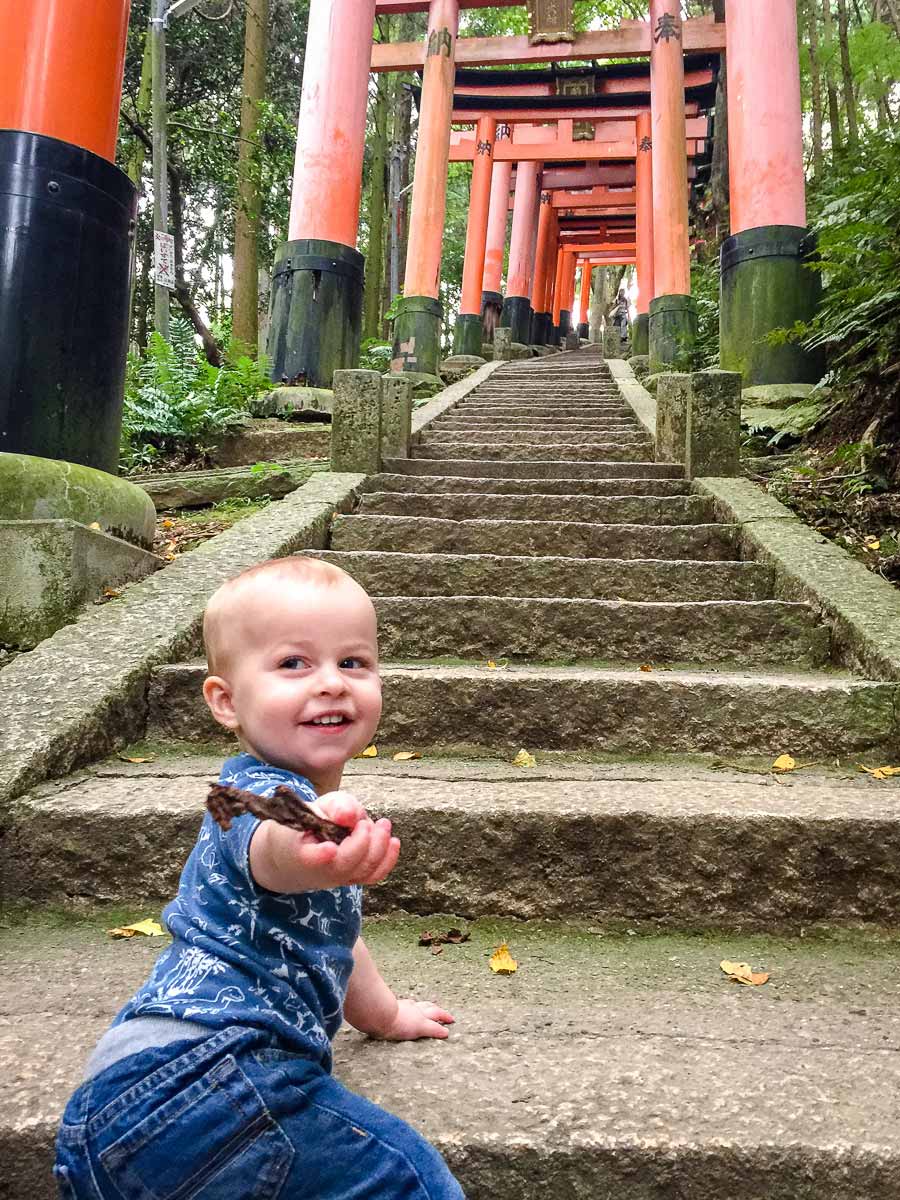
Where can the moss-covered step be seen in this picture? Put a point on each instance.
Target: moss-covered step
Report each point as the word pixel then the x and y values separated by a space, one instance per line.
pixel 448 484
pixel 620 509
pixel 197 489
pixel 531 469
pixel 594 451
pixel 272 440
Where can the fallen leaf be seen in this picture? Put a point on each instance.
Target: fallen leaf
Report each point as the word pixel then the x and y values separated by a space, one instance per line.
pixel 646 666
pixel 741 972
pixel 406 755
pixel 880 772
pixel 524 759
pixel 453 937
pixel 502 962
pixel 168 523
pixel 94 525
pixel 370 752
pixel 497 665
pixel 437 949
pixel 127 758
pixel 784 762
pixel 148 928
pixel 873 544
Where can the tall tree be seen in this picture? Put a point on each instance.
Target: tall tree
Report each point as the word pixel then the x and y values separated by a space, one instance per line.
pixel 834 111
pixel 815 86
pixel 377 193
pixel 245 299
pixel 847 77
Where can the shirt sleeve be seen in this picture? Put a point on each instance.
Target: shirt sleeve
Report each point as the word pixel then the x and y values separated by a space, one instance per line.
pixel 235 843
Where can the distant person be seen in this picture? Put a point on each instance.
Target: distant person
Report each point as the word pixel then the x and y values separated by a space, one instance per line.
pixel 214 1080
pixel 619 315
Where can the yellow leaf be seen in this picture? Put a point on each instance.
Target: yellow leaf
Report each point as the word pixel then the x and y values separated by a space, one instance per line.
pixel 127 758
pixel 406 755
pixel 492 665
pixel 370 752
pixel 148 928
pixel 880 772
pixel 497 665
pixel 741 972
pixel 784 762
pixel 502 962
pixel 873 544
pixel 524 759
pixel 94 525
pixel 646 666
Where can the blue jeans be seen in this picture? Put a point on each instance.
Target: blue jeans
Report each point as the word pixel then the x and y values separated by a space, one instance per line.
pixel 233 1116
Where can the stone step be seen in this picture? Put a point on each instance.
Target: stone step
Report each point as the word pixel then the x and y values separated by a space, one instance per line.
pixel 391 574
pixel 457 419
pixel 622 510
pixel 571 539
pixel 448 484
pixel 544 397
pixel 543 411
pixel 537 451
pixel 627 436
pixel 595 1071
pixel 538 629
pixel 598 710
pixel 549 469
pixel 679 845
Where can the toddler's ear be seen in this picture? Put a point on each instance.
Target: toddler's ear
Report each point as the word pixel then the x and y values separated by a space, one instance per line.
pixel 217 695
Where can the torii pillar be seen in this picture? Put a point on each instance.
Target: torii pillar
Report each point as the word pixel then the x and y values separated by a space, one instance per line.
pixel 558 285
pixel 544 262
pixel 66 220
pixel 492 294
pixel 468 336
pixel 587 271
pixel 516 314
pixel 640 333
pixel 317 285
pixel 417 327
pixel 673 314
pixel 765 284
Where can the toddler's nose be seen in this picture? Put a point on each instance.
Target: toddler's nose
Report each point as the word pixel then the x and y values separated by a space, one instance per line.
pixel 330 679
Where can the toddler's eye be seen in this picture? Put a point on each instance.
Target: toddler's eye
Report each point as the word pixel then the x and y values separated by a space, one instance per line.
pixel 293 663
pixel 351 664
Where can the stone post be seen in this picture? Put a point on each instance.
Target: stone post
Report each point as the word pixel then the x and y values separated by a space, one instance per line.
pixel 673 314
pixel 317 281
pixel 396 415
pixel 417 327
pixel 356 422
pixel 765 282
pixel 673 402
pixel 612 341
pixel 468 334
pixel 502 344
pixel 698 422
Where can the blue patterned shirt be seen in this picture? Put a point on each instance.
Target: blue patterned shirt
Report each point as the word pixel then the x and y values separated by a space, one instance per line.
pixel 242 955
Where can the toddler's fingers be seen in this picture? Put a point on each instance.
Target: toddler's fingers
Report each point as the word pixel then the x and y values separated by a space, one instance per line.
pixel 316 854
pixel 341 807
pixel 434 1029
pixel 388 862
pixel 378 844
pixel 433 1013
pixel 353 850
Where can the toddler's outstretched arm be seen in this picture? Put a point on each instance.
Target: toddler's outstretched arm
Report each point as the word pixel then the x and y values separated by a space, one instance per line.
pixel 371 1007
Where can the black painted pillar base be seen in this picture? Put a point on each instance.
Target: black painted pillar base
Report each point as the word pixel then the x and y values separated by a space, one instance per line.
pixel 516 317
pixel 541 328
pixel 565 322
pixel 417 335
pixel 766 285
pixel 584 330
pixel 317 302
pixel 555 334
pixel 467 336
pixel 640 334
pixel 65 273
pixel 672 333
pixel 491 307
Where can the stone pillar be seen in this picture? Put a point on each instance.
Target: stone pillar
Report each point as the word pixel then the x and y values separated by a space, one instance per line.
pixel 516 314
pixel 66 215
pixel 640 334
pixel 317 284
pixel 498 214
pixel 502 344
pixel 698 422
pixel 396 415
pixel 585 302
pixel 612 341
pixel 417 327
pixel 765 284
pixel 673 314
pixel 356 422
pixel 541 320
pixel 468 334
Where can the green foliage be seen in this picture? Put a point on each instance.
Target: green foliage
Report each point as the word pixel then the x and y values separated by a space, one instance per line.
pixel 705 290
pixel 175 402
pixel 375 355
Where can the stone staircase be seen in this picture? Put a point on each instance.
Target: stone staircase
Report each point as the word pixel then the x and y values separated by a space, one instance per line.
pixel 655 675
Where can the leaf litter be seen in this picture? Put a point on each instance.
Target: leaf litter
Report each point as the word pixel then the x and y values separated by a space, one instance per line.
pixel 741 972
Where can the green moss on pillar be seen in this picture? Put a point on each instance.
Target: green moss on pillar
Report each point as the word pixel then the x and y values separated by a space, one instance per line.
pixel 767 284
pixel 516 316
pixel 317 297
pixel 417 335
pixel 672 333
pixel 640 334
pixel 468 334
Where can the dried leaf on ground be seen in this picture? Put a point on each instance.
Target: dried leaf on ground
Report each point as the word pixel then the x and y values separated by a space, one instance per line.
pixel 741 972
pixel 497 665
pixel 370 752
pixel 406 755
pixel 784 762
pixel 127 758
pixel 646 666
pixel 880 772
pixel 502 962
pixel 453 937
pixel 524 759
pixel 148 928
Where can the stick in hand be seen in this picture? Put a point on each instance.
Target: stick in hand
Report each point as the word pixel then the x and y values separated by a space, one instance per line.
pixel 283 806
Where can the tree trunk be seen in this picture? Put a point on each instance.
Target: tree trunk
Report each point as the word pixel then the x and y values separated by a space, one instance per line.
pixel 834 111
pixel 815 80
pixel 718 174
pixel 138 155
pixel 847 77
pixel 375 264
pixel 182 291
pixel 245 295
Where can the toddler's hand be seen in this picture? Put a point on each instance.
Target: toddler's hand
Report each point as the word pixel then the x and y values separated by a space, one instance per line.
pixel 368 855
pixel 418 1019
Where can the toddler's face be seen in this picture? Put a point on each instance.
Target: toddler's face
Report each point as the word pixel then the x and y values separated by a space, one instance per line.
pixel 302 677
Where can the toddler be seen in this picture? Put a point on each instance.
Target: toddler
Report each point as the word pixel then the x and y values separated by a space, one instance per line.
pixel 214 1081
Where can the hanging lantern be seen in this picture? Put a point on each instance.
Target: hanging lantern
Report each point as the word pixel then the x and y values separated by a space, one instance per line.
pixel 551 21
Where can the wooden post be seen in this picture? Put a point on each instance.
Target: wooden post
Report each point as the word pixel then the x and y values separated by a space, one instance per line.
pixel 516 313
pixel 492 284
pixel 541 321
pixel 468 337
pixel 644 231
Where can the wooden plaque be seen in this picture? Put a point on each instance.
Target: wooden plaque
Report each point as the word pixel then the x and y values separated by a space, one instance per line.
pixel 551 21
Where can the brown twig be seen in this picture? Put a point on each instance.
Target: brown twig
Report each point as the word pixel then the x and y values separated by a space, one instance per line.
pixel 283 806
